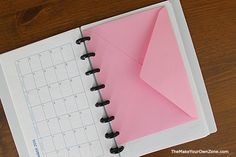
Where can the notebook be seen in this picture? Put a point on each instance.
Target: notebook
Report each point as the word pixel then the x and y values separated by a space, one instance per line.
pixel 125 86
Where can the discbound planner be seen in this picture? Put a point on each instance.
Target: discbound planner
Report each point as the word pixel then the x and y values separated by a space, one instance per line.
pixel 125 86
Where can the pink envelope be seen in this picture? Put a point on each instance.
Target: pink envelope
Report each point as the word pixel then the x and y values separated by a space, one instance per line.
pixel 144 74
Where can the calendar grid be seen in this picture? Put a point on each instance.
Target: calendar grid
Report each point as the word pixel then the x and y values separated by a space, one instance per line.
pixel 63 132
pixel 68 113
pixel 56 99
pixel 75 146
pixel 50 84
pixel 64 98
pixel 84 89
pixel 46 68
pixel 53 107
pixel 32 117
pixel 58 105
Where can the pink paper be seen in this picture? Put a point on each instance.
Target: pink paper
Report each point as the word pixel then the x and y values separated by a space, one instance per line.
pixel 139 74
pixel 163 51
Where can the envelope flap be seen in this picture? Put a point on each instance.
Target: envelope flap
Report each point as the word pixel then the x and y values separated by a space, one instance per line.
pixel 130 34
pixel 163 68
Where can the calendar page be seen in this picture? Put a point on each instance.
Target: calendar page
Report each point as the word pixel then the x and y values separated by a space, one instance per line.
pixel 52 100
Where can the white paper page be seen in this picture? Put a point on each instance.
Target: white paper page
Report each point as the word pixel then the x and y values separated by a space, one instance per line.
pixel 51 105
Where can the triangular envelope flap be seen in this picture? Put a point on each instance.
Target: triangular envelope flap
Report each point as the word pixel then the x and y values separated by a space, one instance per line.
pixel 163 68
pixel 130 34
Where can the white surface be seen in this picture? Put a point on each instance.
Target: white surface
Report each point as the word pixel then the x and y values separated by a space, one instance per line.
pixel 196 71
pixel 47 100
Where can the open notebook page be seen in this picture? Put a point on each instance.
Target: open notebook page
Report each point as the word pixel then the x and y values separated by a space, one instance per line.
pixel 54 108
